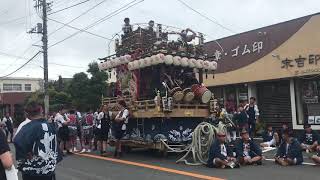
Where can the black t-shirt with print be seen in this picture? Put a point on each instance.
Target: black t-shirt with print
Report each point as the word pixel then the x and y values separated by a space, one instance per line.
pixel 4 147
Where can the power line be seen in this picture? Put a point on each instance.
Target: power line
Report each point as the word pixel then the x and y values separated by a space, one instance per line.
pixel 67 65
pixel 67 24
pixel 206 17
pixel 57 64
pixel 12 20
pixel 88 32
pixel 114 13
pixel 17 57
pixel 68 7
pixel 21 65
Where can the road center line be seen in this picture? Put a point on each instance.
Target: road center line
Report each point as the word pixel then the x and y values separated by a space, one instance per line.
pixel 159 168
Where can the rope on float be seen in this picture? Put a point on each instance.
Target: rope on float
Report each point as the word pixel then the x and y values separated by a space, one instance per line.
pixel 202 138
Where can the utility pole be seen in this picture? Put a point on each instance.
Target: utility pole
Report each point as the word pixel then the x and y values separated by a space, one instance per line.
pixel 45 56
pixel 43 29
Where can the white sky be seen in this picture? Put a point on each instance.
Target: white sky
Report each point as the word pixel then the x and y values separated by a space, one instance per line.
pixel 76 53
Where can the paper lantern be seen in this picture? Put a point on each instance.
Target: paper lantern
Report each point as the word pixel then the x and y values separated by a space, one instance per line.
pixel 104 65
pixel 168 59
pixel 147 61
pixel 100 66
pixel 121 60
pixel 214 65
pixel 191 64
pixel 130 66
pixel 108 64
pixel 206 64
pixel 112 63
pixel 136 64
pixel 184 62
pixel 160 58
pixel 199 64
pixel 141 63
pixel 127 58
pixel 154 59
pixel 177 60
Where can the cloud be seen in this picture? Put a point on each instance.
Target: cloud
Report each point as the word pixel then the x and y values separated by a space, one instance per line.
pixel 81 49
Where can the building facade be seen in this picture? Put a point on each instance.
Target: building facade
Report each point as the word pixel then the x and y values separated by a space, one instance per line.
pixel 277 64
pixel 13 92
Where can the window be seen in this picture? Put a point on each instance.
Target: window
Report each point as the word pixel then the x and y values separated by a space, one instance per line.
pixel 27 87
pixel 12 87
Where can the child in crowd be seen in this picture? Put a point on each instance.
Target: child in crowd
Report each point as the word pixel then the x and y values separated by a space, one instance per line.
pixel 73 130
pixel 88 132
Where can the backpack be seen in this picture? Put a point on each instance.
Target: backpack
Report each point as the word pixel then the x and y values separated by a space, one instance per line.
pixel 73 119
pixel 89 119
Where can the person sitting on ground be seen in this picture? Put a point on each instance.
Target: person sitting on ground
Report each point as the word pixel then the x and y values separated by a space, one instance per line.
pixel 270 137
pixel 220 154
pixel 316 158
pixel 289 151
pixel 309 139
pixel 248 152
pixel 283 128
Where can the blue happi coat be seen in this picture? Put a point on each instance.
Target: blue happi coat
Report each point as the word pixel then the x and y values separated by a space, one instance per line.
pixel 294 151
pixel 36 148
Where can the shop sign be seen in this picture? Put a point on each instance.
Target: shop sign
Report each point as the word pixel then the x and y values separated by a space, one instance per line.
pixel 317 120
pixel 243 96
pixel 307 71
pixel 240 50
pixel 300 61
pixel 311 119
pixel 310 93
pixel 313 100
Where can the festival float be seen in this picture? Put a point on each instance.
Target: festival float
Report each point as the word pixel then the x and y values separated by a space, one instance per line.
pixel 159 73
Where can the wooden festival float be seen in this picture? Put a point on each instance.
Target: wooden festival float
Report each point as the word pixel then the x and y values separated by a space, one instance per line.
pixel 159 74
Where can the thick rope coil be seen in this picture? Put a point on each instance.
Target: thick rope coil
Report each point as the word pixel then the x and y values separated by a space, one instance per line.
pixel 202 138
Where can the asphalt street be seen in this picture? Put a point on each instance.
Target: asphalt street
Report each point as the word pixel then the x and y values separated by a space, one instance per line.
pixel 78 167
pixel 145 165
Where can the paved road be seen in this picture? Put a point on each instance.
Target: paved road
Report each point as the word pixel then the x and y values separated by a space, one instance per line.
pixel 77 167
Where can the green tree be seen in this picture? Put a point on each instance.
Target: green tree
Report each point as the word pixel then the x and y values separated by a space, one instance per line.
pixel 79 91
pixel 97 85
pixel 37 96
pixel 60 84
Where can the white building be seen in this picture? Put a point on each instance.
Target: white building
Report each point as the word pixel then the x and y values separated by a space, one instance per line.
pixel 13 92
pixel 15 84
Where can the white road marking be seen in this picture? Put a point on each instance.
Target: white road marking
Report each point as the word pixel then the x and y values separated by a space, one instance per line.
pixel 268 149
pixel 304 163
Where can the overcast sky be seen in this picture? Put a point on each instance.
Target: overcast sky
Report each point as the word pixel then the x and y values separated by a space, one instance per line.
pixel 74 54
